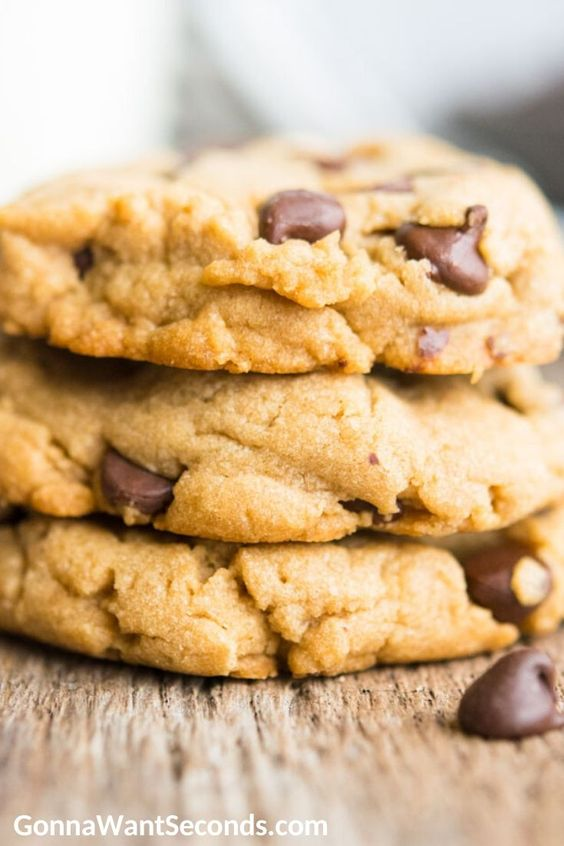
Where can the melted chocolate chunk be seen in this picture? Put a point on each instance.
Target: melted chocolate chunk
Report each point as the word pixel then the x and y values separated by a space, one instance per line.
pixel 453 253
pixel 300 214
pixel 514 698
pixel 508 580
pixel 126 484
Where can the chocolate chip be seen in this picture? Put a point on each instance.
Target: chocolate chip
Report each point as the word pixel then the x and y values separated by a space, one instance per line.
pixel 300 214
pixel 431 342
pixel 83 261
pixel 514 698
pixel 401 185
pixel 373 458
pixel 453 253
pixel 125 483
pixel 509 580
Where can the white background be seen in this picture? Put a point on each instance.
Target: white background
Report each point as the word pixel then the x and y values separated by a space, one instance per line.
pixel 84 82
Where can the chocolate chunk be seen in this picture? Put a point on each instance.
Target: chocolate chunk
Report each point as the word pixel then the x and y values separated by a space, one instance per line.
pixel 83 261
pixel 509 580
pixel 431 342
pixel 300 214
pixel 453 253
pixel 514 698
pixel 125 483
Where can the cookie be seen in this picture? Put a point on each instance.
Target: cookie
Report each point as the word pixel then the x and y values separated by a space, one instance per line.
pixel 272 258
pixel 250 458
pixel 212 608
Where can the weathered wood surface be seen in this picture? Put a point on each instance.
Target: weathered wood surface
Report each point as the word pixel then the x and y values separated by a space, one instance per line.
pixel 376 754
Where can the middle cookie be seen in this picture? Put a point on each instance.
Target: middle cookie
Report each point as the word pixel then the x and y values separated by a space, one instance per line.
pixel 255 458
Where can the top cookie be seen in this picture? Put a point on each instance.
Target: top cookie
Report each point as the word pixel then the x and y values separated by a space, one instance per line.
pixel 275 259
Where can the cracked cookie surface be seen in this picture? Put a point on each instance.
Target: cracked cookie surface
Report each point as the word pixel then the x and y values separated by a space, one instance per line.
pixel 211 608
pixel 164 262
pixel 251 458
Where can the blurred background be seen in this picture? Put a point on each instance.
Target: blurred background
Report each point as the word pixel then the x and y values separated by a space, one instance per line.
pixel 84 83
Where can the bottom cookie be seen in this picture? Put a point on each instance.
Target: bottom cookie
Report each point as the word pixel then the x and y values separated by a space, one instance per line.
pixel 211 608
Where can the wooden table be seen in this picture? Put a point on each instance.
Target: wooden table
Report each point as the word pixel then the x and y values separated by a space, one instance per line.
pixel 375 754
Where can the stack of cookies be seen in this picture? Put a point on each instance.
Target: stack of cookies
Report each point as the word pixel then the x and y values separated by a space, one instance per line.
pixel 292 423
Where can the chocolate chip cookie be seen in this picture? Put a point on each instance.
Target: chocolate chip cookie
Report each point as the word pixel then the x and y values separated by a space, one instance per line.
pixel 252 458
pixel 213 608
pixel 275 258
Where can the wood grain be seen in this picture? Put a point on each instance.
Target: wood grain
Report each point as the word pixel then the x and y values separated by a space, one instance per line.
pixel 376 754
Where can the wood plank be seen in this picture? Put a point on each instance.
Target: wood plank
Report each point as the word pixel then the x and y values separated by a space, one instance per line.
pixel 376 753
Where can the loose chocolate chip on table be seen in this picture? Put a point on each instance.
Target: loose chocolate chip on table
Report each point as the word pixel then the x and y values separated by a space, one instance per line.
pixel 508 579
pixel 125 483
pixel 83 261
pixel 431 342
pixel 514 698
pixel 300 214
pixel 453 253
